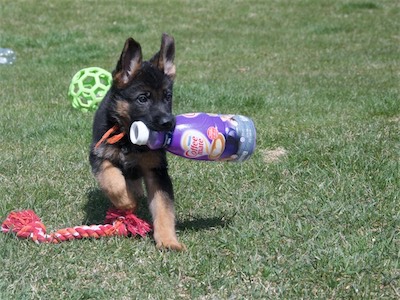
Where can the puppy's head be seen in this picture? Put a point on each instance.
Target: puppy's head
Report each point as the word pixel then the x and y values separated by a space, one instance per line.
pixel 142 90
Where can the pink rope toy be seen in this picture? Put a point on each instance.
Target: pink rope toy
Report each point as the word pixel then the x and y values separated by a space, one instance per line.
pixel 26 224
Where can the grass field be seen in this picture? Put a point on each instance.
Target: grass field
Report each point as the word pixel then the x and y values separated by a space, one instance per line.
pixel 314 214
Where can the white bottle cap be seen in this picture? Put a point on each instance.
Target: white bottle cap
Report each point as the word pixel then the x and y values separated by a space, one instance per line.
pixel 139 133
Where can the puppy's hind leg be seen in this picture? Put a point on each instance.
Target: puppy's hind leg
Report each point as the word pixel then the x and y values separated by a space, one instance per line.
pixel 116 187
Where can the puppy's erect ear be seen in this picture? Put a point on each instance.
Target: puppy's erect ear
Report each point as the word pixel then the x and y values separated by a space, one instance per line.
pixel 129 62
pixel 164 59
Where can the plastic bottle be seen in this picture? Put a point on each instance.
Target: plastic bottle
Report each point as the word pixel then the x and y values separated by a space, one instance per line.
pixel 202 136
pixel 7 56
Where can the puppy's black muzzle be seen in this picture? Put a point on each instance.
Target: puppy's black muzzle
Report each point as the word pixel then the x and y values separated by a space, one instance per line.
pixel 165 123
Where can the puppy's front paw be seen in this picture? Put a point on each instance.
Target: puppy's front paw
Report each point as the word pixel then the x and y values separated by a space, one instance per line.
pixel 171 244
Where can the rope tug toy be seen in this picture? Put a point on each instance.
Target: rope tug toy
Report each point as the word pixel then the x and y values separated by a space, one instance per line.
pixel 26 224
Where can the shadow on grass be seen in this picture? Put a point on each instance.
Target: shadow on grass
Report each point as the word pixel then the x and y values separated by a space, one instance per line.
pixel 98 204
pixel 203 223
pixel 96 207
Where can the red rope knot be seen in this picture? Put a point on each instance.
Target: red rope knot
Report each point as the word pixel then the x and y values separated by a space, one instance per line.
pixel 125 222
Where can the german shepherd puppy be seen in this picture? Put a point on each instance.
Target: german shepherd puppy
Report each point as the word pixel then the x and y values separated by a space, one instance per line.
pixel 141 91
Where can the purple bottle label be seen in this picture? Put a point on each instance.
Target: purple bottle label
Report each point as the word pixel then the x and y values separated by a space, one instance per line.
pixel 205 136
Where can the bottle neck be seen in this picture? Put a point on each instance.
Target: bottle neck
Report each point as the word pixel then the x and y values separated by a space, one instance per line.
pixel 141 135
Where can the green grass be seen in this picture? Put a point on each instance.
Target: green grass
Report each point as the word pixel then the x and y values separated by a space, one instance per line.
pixel 320 78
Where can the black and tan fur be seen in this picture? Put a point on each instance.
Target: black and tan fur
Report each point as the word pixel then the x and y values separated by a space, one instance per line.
pixel 141 90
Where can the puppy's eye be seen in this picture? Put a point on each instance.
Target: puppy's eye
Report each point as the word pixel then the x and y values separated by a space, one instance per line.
pixel 143 98
pixel 168 97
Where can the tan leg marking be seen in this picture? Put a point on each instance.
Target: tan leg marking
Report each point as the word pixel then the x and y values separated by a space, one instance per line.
pixel 162 210
pixel 117 189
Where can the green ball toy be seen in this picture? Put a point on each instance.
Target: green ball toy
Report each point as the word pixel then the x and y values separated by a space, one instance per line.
pixel 88 87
